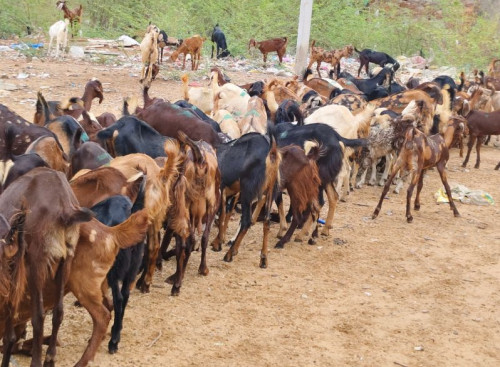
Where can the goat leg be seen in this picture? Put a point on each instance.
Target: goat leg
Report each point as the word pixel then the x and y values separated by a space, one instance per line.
pixel 267 223
pixel 441 169
pixel 414 180
pixel 333 198
pixel 62 276
pixel 480 140
pixel 203 269
pixel 37 315
pixel 385 191
pixel 92 302
pixel 470 144
pixel 419 188
pixel 9 337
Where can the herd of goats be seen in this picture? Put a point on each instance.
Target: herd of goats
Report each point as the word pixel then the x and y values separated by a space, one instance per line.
pixel 89 202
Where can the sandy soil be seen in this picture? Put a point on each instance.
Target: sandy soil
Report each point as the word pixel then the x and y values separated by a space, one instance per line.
pixel 375 293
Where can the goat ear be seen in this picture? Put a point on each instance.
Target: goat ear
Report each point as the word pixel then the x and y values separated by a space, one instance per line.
pixel 466 108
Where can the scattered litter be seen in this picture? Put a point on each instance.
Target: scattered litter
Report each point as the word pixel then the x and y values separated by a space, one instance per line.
pixel 389 212
pixel 304 296
pixel 22 76
pixel 418 348
pixel 464 195
pixel 76 52
pixel 321 221
pixel 8 86
pixel 127 41
pixel 368 294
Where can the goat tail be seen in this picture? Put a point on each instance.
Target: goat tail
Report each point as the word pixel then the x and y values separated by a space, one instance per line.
pixel 353 143
pixel 185 80
pixel 174 159
pixel 197 155
pixel 285 39
pixel 273 161
pixel 132 231
pixel 355 49
pixel 313 150
pixel 15 251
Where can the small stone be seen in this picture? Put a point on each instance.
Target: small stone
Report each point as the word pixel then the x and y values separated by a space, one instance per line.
pixel 304 296
pixel 368 294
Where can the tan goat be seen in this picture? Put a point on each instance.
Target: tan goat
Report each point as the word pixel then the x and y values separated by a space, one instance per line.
pixel 149 53
pixel 192 46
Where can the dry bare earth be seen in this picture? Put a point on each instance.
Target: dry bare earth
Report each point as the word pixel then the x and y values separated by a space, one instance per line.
pixel 376 293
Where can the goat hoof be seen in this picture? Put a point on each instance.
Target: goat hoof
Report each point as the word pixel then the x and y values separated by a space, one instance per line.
pixel 230 243
pixel 456 214
pixel 297 239
pixel 311 241
pixel 216 246
pixel 175 290
pixel 409 219
pixel 476 166
pixel 263 262
pixel 279 235
pixel 50 363
pixel 417 207
pixel 371 183
pixel 77 304
pixel 170 279
pixel 112 347
pixel 228 257
pixel 279 245
pixel 203 271
pixel 144 288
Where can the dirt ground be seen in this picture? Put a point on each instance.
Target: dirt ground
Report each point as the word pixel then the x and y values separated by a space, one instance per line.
pixel 375 293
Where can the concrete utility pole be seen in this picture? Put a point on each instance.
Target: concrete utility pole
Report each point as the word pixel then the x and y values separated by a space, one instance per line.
pixel 303 36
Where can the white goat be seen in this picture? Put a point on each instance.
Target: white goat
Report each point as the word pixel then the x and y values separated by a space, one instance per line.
pixel 59 31
pixel 348 126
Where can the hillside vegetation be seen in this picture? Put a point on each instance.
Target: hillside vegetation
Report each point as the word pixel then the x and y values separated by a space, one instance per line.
pixel 444 28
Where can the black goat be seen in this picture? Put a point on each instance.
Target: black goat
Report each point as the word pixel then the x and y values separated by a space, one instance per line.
pixel 162 42
pixel 249 168
pixel 443 80
pixel 111 212
pixel 219 38
pixel 289 111
pixel 368 86
pixel 130 135
pixel 380 58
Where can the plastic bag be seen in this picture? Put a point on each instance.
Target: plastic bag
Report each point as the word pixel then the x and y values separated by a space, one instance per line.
pixel 464 195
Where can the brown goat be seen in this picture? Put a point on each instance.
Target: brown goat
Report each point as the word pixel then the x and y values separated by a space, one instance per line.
pixel 95 253
pixel 191 46
pixel 51 233
pixel 275 44
pixel 196 198
pixel 72 106
pixel 157 198
pixel 74 16
pixel 95 186
pixel 319 55
pixel 168 119
pixel 480 124
pixel 419 153
pixel 49 149
pixel 299 175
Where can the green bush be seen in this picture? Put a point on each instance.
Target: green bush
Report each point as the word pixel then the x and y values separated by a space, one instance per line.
pixel 453 38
